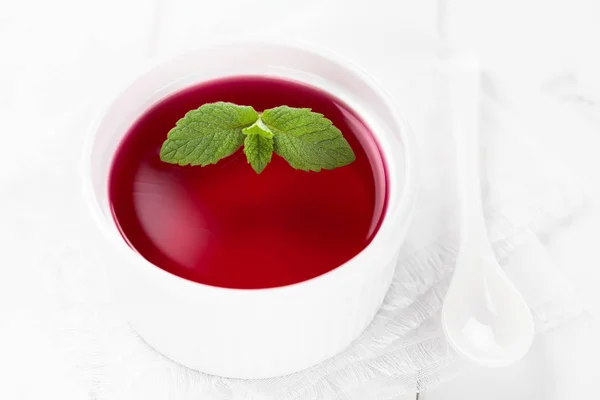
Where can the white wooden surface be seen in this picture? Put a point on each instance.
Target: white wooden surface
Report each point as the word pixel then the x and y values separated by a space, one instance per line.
pixel 57 48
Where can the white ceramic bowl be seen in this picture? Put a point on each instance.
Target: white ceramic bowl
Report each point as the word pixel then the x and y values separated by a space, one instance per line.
pixel 265 332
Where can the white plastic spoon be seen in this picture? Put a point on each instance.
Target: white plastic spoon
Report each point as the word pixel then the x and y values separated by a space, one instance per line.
pixel 484 316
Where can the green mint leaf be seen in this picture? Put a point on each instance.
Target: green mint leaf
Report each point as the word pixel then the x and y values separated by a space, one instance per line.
pixel 307 140
pixel 258 128
pixel 207 134
pixel 258 146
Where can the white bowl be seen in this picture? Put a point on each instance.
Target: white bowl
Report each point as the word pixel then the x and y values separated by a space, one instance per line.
pixel 264 332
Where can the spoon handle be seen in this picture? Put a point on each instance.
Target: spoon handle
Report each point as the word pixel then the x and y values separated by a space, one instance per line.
pixel 466 136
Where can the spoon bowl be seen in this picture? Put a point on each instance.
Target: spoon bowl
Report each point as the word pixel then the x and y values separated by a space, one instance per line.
pixel 485 318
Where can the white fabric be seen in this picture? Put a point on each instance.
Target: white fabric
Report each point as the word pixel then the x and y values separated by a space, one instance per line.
pixel 54 298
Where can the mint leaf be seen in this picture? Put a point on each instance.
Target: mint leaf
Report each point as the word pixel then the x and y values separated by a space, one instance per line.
pixel 258 128
pixel 207 134
pixel 307 140
pixel 258 146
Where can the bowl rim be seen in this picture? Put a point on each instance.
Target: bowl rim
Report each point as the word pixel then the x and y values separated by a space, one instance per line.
pixel 402 211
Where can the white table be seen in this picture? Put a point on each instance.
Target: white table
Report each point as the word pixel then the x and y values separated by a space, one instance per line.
pixel 524 45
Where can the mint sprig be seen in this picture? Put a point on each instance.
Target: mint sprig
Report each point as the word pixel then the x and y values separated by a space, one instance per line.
pixel 306 140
